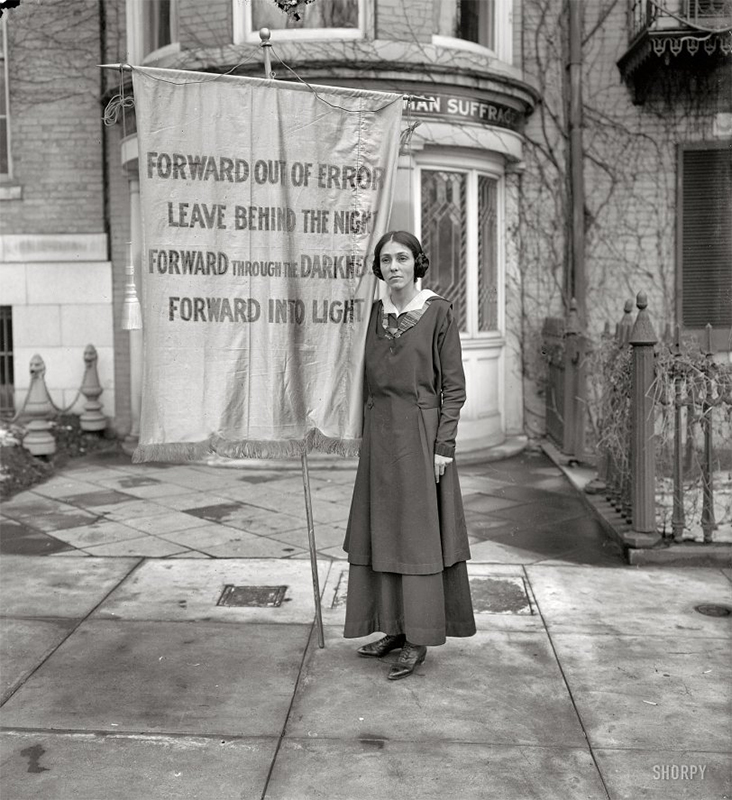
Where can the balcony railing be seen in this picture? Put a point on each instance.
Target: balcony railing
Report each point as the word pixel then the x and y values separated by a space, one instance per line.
pixel 668 34
pixel 678 15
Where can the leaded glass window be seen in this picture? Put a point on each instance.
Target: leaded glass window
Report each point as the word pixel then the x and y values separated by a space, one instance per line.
pixel 444 237
pixel 487 254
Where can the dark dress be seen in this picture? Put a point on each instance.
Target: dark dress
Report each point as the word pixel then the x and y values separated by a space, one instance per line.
pixel 406 539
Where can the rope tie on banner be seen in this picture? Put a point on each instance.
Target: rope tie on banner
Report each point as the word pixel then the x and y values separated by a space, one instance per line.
pixel 118 103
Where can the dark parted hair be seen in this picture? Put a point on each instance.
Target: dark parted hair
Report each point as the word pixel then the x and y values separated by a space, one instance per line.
pixel 421 262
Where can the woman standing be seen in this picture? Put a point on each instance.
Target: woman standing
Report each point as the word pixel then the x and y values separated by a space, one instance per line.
pixel 406 540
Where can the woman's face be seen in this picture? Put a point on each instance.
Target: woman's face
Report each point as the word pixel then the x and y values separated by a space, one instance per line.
pixel 397 265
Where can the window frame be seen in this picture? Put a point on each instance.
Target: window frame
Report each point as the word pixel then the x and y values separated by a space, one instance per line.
pixel 6 177
pixel 503 27
pixel 472 166
pixel 245 34
pixel 721 335
pixel 135 34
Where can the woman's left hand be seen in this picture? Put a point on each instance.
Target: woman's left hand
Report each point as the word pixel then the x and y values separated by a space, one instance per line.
pixel 441 463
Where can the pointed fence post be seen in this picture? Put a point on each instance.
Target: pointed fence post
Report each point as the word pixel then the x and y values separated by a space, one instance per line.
pixel 574 386
pixel 642 438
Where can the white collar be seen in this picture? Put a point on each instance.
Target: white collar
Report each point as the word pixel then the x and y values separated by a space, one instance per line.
pixel 415 303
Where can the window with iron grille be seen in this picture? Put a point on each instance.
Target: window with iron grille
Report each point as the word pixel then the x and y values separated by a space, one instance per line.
pixel 704 268
pixel 7 378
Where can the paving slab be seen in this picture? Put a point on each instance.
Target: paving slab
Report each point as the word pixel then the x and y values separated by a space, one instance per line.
pixel 137 509
pixel 61 520
pixel 142 547
pixel 30 504
pixel 185 590
pixel 666 774
pixel 489 552
pixel 207 535
pixel 24 644
pixel 502 597
pixel 369 768
pixel 256 548
pixel 667 692
pixel 63 485
pixel 497 687
pixel 143 487
pixel 651 601
pixel 182 502
pixel 326 536
pixel 90 767
pixel 68 587
pixel 536 514
pixel 19 539
pixel 164 677
pixel 99 532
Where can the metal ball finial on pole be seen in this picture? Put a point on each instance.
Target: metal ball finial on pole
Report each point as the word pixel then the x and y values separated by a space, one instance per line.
pixel 265 35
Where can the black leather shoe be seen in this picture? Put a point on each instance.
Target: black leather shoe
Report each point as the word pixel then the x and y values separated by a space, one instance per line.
pixel 382 646
pixel 410 658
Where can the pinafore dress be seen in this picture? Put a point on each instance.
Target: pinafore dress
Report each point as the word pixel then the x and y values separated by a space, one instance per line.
pixel 406 538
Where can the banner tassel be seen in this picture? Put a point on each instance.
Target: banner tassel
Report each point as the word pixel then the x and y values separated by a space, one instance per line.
pixel 131 310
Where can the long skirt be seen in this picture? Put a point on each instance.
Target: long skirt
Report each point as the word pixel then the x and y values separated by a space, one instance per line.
pixel 427 608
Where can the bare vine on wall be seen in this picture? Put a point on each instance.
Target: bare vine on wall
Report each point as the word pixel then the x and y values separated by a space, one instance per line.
pixel 629 158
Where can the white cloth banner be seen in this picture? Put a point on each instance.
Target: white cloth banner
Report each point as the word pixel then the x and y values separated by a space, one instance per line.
pixel 261 203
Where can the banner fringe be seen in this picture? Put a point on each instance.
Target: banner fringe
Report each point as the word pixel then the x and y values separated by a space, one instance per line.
pixel 177 452
pixel 250 448
pixel 348 448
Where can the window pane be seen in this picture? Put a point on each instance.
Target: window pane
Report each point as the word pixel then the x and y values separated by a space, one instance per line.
pixel 444 236
pixel 320 14
pixel 487 255
pixel 159 24
pixel 4 165
pixel 472 20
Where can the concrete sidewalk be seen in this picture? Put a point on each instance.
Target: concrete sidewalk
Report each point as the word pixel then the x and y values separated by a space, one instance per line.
pixel 124 676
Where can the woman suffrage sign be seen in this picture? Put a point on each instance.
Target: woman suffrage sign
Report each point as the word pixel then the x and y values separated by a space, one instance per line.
pixel 261 202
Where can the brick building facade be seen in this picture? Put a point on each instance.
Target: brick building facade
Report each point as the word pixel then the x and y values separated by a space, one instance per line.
pixel 484 181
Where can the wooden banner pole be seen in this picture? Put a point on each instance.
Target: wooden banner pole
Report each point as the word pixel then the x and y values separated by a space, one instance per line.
pixel 313 551
pixel 265 35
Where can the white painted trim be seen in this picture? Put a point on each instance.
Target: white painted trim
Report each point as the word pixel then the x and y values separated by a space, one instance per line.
pixel 454 43
pixel 476 137
pixel 171 49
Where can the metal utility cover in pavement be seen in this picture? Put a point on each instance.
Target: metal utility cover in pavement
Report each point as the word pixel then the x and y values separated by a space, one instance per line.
pixel 252 596
pixel 504 595
pixel 713 610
